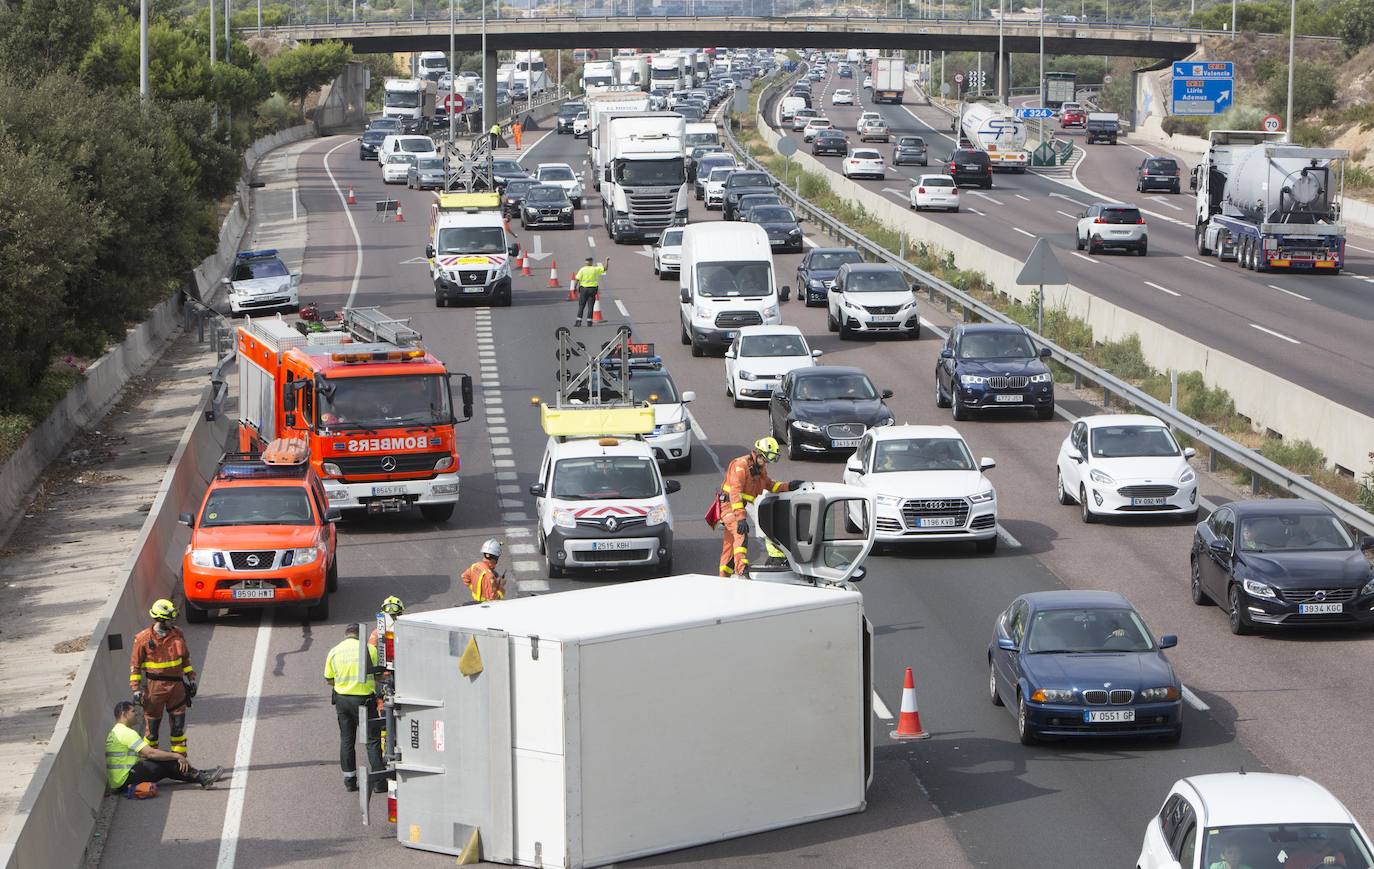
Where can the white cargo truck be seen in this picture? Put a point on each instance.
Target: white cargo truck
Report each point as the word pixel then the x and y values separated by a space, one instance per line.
pixel 668 71
pixel 642 159
pixel 889 80
pixel 621 99
pixel 598 75
pixel 633 70
pixel 409 100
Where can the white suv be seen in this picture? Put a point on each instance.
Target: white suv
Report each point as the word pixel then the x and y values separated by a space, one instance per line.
pixel 870 298
pixel 561 175
pixel 1116 225
pixel 1253 819
pixel 715 186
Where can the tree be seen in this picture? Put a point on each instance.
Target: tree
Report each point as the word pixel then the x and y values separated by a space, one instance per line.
pixel 380 67
pixel 304 69
pixel 178 66
pixel 41 35
pixel 1314 89
pixel 1357 23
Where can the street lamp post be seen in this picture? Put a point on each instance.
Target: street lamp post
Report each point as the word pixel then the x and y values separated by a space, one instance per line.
pixel 1292 38
pixel 1042 52
pixel 143 49
pixel 452 74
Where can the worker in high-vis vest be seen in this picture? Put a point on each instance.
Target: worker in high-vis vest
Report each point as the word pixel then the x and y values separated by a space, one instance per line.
pixel 134 767
pixel 745 479
pixel 161 676
pixel 495 133
pixel 588 283
pixel 353 690
pixel 480 577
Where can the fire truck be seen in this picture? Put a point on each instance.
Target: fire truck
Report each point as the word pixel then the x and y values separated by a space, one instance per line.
pixel 375 407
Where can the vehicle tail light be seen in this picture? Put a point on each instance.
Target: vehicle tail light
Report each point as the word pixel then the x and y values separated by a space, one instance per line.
pixel 391 647
pixel 1100 220
pixel 1140 220
pixel 956 191
pixel 391 808
pixel 920 190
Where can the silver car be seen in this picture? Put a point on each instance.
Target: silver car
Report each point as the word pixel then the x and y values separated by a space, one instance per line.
pixel 427 173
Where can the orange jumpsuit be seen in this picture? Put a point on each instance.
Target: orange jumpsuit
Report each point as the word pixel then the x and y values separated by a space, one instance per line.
pixel 157 666
pixel 481 581
pixel 743 484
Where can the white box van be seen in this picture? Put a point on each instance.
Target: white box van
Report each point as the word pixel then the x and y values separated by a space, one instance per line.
pixel 789 107
pixel 727 283
pixel 420 146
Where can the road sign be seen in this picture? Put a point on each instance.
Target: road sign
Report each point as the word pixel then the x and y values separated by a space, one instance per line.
pixel 976 79
pixel 945 88
pixel 1034 114
pixel 1107 79
pixel 1202 96
pixel 958 78
pixel 1272 123
pixel 1204 69
pixel 787 147
pixel 453 103
pixel 1042 267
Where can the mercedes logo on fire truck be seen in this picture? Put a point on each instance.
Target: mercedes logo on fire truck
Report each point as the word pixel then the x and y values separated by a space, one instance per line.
pixel 388 463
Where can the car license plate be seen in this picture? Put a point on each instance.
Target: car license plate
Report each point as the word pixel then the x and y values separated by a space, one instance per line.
pixel 254 593
pixel 882 318
pixel 777 241
pixel 1147 502
pixel 387 491
pixel 844 442
pixel 549 219
pixel 1319 608
pixel 1108 716
pixel 604 545
pixel 474 289
pixel 936 522
pixel 1009 399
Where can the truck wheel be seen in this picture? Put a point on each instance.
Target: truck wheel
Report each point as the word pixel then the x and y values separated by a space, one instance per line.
pixel 331 578
pixel 1200 240
pixel 436 512
pixel 195 615
pixel 320 611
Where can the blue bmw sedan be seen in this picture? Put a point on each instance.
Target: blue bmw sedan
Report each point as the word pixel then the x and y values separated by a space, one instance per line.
pixel 1082 663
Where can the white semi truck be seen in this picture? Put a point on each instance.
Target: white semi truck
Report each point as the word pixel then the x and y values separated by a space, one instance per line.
pixel 624 99
pixel 409 100
pixel 889 80
pixel 1268 204
pixel 597 75
pixel 525 72
pixel 632 70
pixel 668 70
pixel 431 64
pixel 994 128
pixel 643 174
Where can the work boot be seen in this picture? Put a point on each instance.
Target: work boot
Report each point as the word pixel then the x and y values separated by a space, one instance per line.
pixel 351 784
pixel 208 777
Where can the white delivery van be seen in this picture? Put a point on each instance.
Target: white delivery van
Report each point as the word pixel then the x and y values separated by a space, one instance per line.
pixel 727 283
pixel 788 109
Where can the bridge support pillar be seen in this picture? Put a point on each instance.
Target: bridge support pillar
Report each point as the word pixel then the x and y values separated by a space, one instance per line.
pixel 1001 76
pixel 490 113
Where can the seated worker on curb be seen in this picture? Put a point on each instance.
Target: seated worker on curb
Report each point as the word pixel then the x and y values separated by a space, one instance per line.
pixel 134 767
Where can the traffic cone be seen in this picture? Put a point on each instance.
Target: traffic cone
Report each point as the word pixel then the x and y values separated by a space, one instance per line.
pixel 352 200
pixel 596 310
pixel 400 215
pixel 525 264
pixel 553 275
pixel 909 719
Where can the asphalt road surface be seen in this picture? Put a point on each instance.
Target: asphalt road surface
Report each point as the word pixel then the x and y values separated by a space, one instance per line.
pixel 971 795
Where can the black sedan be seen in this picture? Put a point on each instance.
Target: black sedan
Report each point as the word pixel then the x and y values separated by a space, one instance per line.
pixel 369 142
pixel 754 200
pixel 742 183
pixel 514 196
pixel 825 409
pixel 505 171
pixel 546 205
pixel 1082 663
pixel 993 365
pixel 816 273
pixel 830 142
pixel 783 227
pixel 1283 562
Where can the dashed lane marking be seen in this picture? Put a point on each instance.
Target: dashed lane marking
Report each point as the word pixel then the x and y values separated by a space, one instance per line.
pixel 880 708
pixel 528 585
pixel 1066 214
pixel 1199 261
pixel 1163 289
pixel 1083 256
pixel 1193 700
pixel 1023 232
pixel 977 212
pixel 620 306
pixel 1006 537
pixel 1290 292
pixel 1019 196
pixel 1279 335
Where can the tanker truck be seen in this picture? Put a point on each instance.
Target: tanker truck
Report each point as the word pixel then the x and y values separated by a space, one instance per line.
pixel 994 128
pixel 1270 205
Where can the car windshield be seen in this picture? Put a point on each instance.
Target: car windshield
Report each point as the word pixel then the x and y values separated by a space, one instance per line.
pixel 545 194
pixel 910 143
pixel 407 100
pixel 556 173
pixel 420 145
pixel 257 505
pixel 995 345
pixel 747 179
pixel 970 157
pixel 804 114
pixel 569 110
pixel 397 159
pixel 832 387
pixel 688 111
pixel 655 388
pixel 720 174
pixel 263 268
pixel 771 214
pixel 472 239
pixel 518 189
pixel 604 477
pixel 433 164
pixel 833 260
pixel 734 278
pixel 1120 215
pixel 650 173
pixel 773 345
pixel 1161 167
pixel 1099 629
pixel 1121 441
pixel 922 454
pixel 385 125
pixel 937 181
pixel 878 281
pixel 374 402
pixel 507 167
pixel 1295 846
pixel 694 139
pixel 670 238
pixel 1279 533
pixel 866 155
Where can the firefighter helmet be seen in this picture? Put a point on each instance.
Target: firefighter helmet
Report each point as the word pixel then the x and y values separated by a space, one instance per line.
pixel 393 606
pixel 767 447
pixel 163 609
pixel 492 547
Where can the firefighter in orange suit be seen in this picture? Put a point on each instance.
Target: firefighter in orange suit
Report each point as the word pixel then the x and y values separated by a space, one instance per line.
pixel 161 676
pixel 745 479
pixel 481 578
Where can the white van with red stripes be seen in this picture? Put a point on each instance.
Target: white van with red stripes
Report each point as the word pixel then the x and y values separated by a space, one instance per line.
pixel 470 253
pixel 602 504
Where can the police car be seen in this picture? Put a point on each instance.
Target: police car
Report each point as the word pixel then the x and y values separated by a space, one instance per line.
pixel 259 281
pixel 671 438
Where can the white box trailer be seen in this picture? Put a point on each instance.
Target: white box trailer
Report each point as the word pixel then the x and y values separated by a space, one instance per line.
pixel 616 722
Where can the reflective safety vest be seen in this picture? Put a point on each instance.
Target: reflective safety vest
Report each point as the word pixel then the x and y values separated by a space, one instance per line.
pixel 496 129
pixel 481 582
pixel 164 658
pixel 342 667
pixel 122 746
pixel 590 276
pixel 742 486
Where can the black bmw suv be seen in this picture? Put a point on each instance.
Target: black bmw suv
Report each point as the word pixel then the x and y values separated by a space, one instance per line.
pixel 993 365
pixel 968 166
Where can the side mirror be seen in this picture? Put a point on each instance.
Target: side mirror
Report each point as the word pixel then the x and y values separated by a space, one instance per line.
pixel 1367 543
pixel 858 575
pixel 986 464
pixel 225 281
pixel 606 176
pixel 887 393
pixel 688 396
pixel 429 251
pixel 1077 456
pixel 686 296
pixel 854 465
pixel 333 514
pixel 816 354
pixel 1006 644
pixel 785 293
pixel 288 399
pixel 671 486
pixel 1220 546
pixel 1168 641
pixel 1189 452
pixel 296 278
pixel 946 353
pixel 514 249
pixel 465 395
pixel 1045 353
pixel 185 519
pixel 537 490
pixel 730 353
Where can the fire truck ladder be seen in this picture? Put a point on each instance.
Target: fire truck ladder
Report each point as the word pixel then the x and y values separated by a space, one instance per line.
pixel 372 326
pixel 468 170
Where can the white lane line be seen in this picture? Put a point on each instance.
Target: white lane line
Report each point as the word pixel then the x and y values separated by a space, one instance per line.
pixel 497 430
pixel 507 475
pixel 511 503
pixel 705 442
pixel 1162 289
pixel 586 220
pixel 531 566
pixel 514 517
pixel 809 243
pixel 523 549
pixel 1069 198
pixel 977 212
pixel 1166 203
pixel 1066 214
pixel 1141 150
pixel 1019 196
pixel 620 306
pixel 591 242
pixel 1193 700
pixel 1290 292
pixel 1275 334
pixel 508 490
pixel 357 265
pixel 502 451
pixel 500 440
pixel 243 754
pixel 1083 256
pixel 1023 232
pixel 517 532
pixel 533 585
pixel 880 708
pixel 996 202
pixel 1007 538
pixel 1357 247
pixel 1200 262
pixel 502 463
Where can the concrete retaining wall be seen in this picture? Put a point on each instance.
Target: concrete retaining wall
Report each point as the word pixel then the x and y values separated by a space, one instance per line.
pixel 1270 402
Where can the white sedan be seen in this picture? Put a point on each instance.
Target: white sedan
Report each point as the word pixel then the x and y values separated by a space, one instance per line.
pixel 668 253
pixel 868 82
pixel 814 126
pixel 863 161
pixel 396 168
pixel 759 358
pixel 1126 464
pixel 561 175
pixel 935 191
pixel 714 188
pixel 842 98
pixel 928 487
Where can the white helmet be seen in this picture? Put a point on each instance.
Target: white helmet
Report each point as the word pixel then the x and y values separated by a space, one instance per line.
pixel 492 547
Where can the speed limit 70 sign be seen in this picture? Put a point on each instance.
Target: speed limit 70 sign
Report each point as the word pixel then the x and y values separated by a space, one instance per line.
pixel 958 78
pixel 1271 123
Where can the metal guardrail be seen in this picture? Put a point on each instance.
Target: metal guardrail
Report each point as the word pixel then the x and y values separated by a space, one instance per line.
pixel 1218 444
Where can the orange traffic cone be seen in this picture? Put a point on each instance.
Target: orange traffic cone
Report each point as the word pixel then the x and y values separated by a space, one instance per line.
pixel 400 215
pixel 553 275
pixel 352 200
pixel 909 719
pixel 525 264
pixel 596 310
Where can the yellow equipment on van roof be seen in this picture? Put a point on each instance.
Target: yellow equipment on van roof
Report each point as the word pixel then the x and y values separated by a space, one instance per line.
pixel 469 201
pixel 596 420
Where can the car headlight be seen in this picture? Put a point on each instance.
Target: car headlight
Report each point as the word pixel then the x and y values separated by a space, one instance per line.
pixel 891 420
pixel 566 209
pixel 1368 586
pixel 1100 477
pixel 297 557
pixel 889 501
pixel 1258 589
pixel 1052 695
pixel 972 380
pixel 564 518
pixel 207 558
pixel 331 469
pixel 1045 377
pixel 803 425
pixel 770 311
pixel 796 231
pixel 747 375
pixel 982 497
pixel 657 516
pixel 1187 476
pixel 1154 694
pixel 702 312
pixel 674 427
pixel 444 464
pixel 815 284
pixel 336 494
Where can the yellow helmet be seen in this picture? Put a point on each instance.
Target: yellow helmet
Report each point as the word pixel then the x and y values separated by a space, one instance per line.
pixel 393 606
pixel 163 609
pixel 768 447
